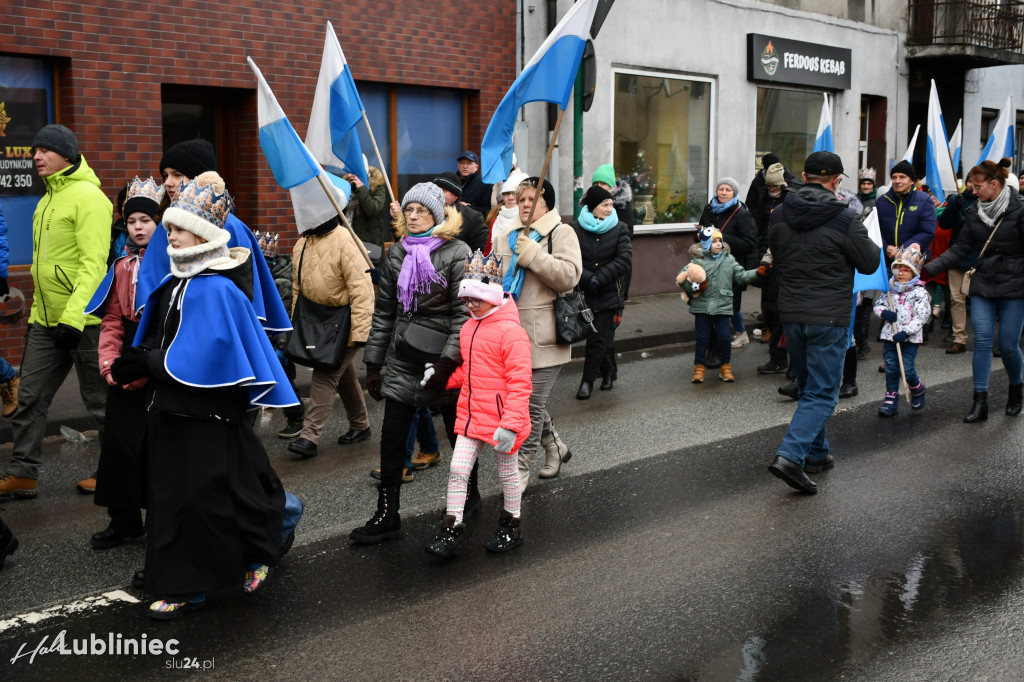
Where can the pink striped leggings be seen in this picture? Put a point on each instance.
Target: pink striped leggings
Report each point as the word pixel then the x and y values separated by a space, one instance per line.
pixel 463 457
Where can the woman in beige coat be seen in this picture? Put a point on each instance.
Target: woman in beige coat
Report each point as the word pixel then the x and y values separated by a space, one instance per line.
pixel 538 263
pixel 330 267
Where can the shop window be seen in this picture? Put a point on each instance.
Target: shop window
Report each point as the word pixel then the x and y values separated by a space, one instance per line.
pixel 377 103
pixel 430 134
pixel 662 136
pixel 787 121
pixel 26 105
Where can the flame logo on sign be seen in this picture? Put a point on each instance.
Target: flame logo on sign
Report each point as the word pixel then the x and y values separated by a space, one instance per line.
pixel 4 119
pixel 769 60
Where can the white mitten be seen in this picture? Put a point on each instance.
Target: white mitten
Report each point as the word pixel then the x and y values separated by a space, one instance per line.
pixel 426 375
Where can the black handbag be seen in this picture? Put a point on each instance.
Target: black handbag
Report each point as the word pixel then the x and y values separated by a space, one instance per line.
pixel 319 332
pixel 421 345
pixel 574 320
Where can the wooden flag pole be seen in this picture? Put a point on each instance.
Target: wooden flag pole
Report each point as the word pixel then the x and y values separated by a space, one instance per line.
pixel 344 220
pixel 544 172
pixel 899 355
pixel 380 159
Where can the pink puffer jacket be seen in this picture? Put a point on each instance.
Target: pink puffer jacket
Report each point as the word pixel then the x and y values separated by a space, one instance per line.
pixel 495 376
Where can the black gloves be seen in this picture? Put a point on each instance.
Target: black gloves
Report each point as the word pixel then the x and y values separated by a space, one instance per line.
pixel 133 365
pixel 443 369
pixel 5 290
pixel 374 275
pixel 593 285
pixel 373 381
pixel 66 336
pixel 889 315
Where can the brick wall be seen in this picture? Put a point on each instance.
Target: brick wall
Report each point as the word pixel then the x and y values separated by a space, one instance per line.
pixel 113 56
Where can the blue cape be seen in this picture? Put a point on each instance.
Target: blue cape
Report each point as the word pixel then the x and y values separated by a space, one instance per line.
pixel 99 299
pixel 220 341
pixel 266 300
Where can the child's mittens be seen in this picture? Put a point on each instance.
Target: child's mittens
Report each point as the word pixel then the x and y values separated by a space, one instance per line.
pixel 889 315
pixel 900 337
pixel 504 440
pixel 762 270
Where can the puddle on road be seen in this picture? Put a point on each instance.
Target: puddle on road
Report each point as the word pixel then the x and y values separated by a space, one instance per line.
pixel 832 635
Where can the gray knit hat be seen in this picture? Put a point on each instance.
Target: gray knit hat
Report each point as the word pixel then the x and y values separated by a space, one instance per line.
pixel 732 183
pixel 428 194
pixel 58 139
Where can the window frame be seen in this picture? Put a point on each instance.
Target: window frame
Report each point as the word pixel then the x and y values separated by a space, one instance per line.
pixel 711 83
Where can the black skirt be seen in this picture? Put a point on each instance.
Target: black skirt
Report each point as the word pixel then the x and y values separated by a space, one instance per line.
pixel 215 504
pixel 121 474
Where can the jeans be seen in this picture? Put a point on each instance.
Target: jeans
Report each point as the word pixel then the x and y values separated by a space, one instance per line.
pixel 984 312
pixel 6 371
pixel 816 354
pixel 892 365
pixel 423 429
pixel 704 325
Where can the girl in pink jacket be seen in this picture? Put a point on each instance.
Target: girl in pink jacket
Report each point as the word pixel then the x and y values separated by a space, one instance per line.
pixel 494 401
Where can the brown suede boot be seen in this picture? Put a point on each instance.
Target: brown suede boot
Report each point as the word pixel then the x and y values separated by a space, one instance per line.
pixel 698 374
pixel 725 373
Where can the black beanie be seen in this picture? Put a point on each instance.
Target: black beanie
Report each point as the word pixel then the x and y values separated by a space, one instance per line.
pixel 58 139
pixel 594 196
pixel 549 191
pixel 191 158
pixel 769 160
pixel 449 181
pixel 906 168
pixel 141 205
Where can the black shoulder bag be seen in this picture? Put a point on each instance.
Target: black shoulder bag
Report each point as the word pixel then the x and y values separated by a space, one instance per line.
pixel 574 320
pixel 320 332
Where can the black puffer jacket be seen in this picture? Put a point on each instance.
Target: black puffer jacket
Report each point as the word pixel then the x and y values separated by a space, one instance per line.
pixel 439 308
pixel 474 230
pixel 1000 270
pixel 738 231
pixel 609 257
pixel 817 241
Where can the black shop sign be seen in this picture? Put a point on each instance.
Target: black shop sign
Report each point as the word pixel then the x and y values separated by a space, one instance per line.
pixel 22 114
pixel 780 60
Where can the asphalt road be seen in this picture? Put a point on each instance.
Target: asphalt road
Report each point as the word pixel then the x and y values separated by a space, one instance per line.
pixel 664 551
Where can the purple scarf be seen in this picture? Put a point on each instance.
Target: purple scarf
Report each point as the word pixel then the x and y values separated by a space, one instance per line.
pixel 418 272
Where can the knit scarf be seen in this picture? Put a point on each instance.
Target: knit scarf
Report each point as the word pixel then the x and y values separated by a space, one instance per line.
pixel 718 207
pixel 418 272
pixel 192 260
pixel 991 211
pixel 902 287
pixel 514 275
pixel 589 222
pixel 504 218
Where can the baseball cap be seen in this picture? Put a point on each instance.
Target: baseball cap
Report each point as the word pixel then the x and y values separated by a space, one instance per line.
pixel 823 163
pixel 468 155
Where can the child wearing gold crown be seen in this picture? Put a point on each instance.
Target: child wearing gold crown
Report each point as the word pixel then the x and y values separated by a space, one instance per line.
pixel 905 309
pixel 494 404
pixel 216 509
pixel 120 477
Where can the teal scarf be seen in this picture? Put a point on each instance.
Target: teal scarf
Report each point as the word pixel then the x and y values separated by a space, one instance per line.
pixel 589 223
pixel 514 275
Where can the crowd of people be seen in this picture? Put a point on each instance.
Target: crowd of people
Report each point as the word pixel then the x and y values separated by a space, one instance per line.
pixel 457 319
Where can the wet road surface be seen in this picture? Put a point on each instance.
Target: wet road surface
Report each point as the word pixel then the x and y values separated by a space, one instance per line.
pixel 692 564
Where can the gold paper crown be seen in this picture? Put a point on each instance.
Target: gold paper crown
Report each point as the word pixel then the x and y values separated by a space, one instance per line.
pixel 911 257
pixel 145 189
pixel 205 197
pixel 486 269
pixel 866 174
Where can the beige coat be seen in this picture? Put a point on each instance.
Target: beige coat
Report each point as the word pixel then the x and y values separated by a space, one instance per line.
pixel 334 274
pixel 545 275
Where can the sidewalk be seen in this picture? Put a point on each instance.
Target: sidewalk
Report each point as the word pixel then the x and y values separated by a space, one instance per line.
pixel 647 322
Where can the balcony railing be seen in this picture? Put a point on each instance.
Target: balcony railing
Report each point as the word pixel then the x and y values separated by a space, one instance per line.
pixel 993 24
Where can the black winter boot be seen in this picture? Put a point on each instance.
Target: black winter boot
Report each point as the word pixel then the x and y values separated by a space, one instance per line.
pixel 979 411
pixel 8 543
pixel 446 544
pixel 1013 400
pixel 385 524
pixel 507 536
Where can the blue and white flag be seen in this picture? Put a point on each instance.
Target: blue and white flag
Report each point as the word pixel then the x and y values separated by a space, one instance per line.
pixel 879 279
pixel 823 138
pixel 955 144
pixel 548 77
pixel 337 109
pixel 1000 142
pixel 292 164
pixel 939 173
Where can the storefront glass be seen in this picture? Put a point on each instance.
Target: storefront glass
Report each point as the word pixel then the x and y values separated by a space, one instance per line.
pixel 787 121
pixel 430 134
pixel 662 135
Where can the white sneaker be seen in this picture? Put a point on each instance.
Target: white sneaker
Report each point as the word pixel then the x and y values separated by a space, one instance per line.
pixel 741 339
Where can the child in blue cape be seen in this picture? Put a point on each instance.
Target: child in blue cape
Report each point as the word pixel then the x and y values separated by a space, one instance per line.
pixel 216 508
